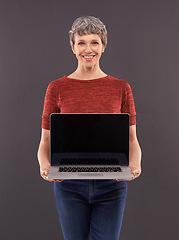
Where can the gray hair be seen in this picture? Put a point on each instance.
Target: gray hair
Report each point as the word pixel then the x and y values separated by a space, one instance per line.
pixel 91 25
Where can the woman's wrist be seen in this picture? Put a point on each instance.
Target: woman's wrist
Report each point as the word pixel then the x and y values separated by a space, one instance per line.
pixel 44 164
pixel 136 166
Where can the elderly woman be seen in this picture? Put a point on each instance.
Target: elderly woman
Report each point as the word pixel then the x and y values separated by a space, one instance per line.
pixel 89 209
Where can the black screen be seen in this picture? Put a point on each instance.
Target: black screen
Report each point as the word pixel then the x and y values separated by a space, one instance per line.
pixel 89 133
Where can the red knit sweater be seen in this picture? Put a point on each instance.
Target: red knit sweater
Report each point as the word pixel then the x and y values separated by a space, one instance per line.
pixel 102 95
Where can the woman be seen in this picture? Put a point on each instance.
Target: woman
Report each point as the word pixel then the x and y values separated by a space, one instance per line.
pixel 89 209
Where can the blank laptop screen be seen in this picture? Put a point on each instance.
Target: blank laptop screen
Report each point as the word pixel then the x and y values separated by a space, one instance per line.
pixel 72 134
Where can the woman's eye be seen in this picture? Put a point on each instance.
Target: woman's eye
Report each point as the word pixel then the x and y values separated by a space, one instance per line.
pixel 83 43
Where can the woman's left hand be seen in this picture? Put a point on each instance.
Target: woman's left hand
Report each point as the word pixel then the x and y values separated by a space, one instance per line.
pixel 136 171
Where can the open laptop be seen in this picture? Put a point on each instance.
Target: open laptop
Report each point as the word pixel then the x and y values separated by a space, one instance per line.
pixel 89 146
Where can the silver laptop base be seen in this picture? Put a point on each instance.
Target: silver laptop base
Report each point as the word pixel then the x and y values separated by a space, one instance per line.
pixel 124 174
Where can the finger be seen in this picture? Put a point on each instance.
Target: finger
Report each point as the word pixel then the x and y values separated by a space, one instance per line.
pixel 45 178
pixel 122 179
pixel 50 180
pixel 44 174
pixel 136 173
pixel 125 179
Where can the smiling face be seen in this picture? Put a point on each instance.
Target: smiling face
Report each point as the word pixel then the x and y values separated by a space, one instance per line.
pixel 88 49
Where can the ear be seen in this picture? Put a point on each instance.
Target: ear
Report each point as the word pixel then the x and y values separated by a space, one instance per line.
pixel 103 48
pixel 73 50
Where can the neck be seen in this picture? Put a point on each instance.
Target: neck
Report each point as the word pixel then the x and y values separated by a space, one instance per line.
pixel 82 73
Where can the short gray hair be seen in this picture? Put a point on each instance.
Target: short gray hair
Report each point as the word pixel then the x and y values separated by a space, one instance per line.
pixel 90 25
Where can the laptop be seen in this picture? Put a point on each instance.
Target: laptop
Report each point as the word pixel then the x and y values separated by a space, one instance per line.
pixel 89 146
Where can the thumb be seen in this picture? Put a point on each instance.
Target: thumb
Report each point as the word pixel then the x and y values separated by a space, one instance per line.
pixel 44 171
pixel 136 172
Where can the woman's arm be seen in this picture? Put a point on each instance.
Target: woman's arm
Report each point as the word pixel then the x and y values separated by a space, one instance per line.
pixel 135 153
pixel 44 148
pixel 43 153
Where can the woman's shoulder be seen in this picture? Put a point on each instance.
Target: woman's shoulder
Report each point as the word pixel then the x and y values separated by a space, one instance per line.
pixel 120 80
pixel 56 82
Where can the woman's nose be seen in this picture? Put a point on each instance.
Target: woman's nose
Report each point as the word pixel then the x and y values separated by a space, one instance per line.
pixel 88 48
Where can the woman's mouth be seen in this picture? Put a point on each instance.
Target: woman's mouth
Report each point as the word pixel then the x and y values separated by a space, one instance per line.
pixel 89 57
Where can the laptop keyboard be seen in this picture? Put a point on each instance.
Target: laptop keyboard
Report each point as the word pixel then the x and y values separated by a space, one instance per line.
pixel 89 169
pixel 89 161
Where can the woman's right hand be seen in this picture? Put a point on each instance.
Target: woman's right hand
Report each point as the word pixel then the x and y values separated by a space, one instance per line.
pixel 44 172
pixel 43 155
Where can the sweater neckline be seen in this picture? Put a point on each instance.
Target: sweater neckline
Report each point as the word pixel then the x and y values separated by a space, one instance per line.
pixel 87 80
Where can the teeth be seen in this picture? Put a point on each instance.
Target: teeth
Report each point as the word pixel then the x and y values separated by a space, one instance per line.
pixel 88 57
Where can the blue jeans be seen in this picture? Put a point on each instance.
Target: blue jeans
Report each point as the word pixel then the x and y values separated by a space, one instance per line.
pixel 90 209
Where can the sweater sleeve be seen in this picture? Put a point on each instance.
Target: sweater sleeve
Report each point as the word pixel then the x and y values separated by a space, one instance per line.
pixel 50 105
pixel 128 105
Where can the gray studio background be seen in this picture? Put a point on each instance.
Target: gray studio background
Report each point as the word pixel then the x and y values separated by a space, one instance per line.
pixel 142 49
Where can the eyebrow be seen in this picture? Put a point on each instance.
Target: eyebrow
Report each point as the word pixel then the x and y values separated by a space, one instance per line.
pixel 91 40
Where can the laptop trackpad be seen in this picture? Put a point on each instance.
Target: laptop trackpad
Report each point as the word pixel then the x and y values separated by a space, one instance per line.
pixel 90 174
